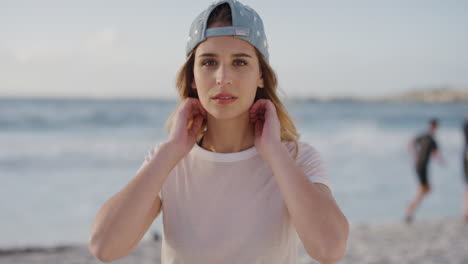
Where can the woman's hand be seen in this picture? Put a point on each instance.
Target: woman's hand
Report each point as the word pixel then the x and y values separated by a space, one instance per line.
pixel 186 125
pixel 267 127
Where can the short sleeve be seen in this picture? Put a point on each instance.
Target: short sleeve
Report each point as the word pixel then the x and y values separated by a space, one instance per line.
pixel 311 163
pixel 147 159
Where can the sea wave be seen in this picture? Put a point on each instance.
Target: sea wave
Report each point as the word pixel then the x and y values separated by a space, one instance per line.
pixel 64 114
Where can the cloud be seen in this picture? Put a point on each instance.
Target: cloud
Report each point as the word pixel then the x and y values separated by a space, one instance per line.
pixel 101 40
pixel 27 51
pixel 56 46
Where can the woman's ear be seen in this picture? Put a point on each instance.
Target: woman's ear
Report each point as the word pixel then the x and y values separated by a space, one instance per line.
pixel 260 82
pixel 193 85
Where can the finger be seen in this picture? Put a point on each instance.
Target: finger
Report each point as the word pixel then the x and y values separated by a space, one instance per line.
pixel 199 106
pixel 253 119
pixel 186 108
pixel 195 121
pixel 193 114
pixel 201 109
pixel 193 108
pixel 192 104
pixel 196 124
pixel 258 112
pixel 258 104
pixel 204 112
pixel 258 128
pixel 257 116
pixel 270 107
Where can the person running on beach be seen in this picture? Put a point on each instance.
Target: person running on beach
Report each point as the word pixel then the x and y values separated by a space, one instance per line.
pixel 465 170
pixel 232 181
pixel 422 149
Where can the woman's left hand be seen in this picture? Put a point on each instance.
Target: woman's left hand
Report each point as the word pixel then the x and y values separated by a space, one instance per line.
pixel 267 127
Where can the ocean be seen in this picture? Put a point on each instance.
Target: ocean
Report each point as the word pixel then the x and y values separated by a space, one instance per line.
pixel 61 159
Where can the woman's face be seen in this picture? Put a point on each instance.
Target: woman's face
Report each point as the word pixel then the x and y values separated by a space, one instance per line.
pixel 226 76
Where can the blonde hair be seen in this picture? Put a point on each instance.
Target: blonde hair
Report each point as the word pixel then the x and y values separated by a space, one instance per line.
pixel 185 78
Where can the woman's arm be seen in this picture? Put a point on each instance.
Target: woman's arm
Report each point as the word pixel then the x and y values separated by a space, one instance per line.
pixel 125 217
pixel 319 222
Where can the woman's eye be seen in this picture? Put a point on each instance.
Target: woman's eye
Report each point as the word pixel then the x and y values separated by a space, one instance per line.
pixel 209 63
pixel 240 62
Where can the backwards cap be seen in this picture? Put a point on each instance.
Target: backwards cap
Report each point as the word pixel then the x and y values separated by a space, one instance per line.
pixel 246 25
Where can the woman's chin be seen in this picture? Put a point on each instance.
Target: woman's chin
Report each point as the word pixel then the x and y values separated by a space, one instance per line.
pixel 225 115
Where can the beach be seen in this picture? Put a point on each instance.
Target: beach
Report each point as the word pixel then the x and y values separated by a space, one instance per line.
pixel 60 168
pixel 424 241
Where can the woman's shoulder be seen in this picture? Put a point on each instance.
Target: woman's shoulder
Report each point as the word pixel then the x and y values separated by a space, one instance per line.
pixel 305 148
pixel 310 161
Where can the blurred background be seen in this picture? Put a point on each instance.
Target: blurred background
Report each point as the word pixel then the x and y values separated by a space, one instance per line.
pixel 86 86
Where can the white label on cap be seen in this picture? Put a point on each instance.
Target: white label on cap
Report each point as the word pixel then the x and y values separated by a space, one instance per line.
pixel 242 32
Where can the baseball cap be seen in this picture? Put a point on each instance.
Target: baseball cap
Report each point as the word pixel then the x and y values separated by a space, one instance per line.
pixel 246 25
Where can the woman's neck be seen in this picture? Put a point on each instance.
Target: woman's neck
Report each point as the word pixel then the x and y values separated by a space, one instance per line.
pixel 228 136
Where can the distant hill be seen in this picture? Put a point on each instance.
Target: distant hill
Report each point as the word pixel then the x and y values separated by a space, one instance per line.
pixel 437 95
pixel 429 95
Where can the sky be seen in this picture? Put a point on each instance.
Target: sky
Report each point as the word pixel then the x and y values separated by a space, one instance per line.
pixel 123 49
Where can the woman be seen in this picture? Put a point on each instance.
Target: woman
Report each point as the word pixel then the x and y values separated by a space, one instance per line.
pixel 234 184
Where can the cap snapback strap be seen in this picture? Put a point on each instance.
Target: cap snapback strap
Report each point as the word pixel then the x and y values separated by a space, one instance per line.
pixel 227 31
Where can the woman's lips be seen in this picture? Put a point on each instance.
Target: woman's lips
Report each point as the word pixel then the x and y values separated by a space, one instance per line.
pixel 225 100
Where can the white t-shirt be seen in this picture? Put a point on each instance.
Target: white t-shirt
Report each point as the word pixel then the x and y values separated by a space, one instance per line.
pixel 227 208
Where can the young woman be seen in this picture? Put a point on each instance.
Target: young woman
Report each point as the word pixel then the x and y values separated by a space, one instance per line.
pixel 234 183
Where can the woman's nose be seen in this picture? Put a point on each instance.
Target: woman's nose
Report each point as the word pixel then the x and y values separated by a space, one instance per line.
pixel 223 76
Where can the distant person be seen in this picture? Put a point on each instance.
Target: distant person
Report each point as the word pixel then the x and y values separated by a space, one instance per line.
pixel 465 170
pixel 422 149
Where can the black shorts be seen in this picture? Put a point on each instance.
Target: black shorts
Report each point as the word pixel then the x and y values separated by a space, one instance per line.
pixel 421 171
pixel 465 164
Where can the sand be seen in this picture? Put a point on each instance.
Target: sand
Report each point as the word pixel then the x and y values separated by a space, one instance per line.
pixel 442 241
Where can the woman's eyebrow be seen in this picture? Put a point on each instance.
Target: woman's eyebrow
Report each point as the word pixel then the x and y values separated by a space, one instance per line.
pixel 238 55
pixel 207 55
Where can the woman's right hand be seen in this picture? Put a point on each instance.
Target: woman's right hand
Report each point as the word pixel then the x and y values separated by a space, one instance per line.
pixel 186 125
